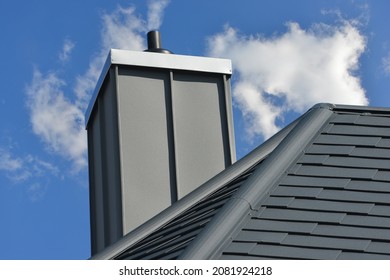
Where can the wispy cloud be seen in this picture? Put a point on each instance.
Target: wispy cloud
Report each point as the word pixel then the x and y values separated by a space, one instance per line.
pixel 8 162
pixel 27 170
pixel 67 48
pixel 292 71
pixel 386 64
pixel 57 117
pixel 122 29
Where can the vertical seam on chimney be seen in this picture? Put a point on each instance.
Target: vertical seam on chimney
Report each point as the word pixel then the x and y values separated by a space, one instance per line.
pixel 229 119
pixel 171 140
pixel 119 195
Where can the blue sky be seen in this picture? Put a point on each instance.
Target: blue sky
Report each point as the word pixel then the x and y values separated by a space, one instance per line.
pixel 287 56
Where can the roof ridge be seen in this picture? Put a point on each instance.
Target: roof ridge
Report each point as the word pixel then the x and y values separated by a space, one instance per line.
pixel 209 241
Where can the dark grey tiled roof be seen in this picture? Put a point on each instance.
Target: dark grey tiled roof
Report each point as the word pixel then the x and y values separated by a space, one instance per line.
pixel 320 189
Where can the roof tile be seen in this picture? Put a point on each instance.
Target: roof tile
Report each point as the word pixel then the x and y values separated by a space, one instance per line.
pixel 332 206
pixel 326 242
pixel 294 252
pixel 299 215
pixel 337 172
pixel 270 225
pixel 356 196
pixel 362 256
pixel 354 232
pixel 260 236
pixel 349 140
pixel 291 180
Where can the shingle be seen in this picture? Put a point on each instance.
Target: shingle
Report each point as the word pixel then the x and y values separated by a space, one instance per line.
pixel 373 121
pixel 336 172
pixel 384 143
pixel 382 176
pixel 347 140
pixel 271 225
pixel 358 162
pixel 313 159
pixel 260 236
pixel 314 181
pixel 362 256
pixel 368 185
pixel 379 247
pixel 369 221
pixel 355 196
pixel 371 152
pixel 296 191
pixel 349 231
pixel 335 206
pixel 294 252
pixel 330 149
pixel 244 257
pixel 380 210
pixel 326 242
pixel 299 215
pixel 344 118
pixel 278 201
pixel 359 130
pixel 239 247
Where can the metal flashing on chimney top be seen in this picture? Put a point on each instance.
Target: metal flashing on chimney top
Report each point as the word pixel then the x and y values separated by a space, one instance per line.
pixel 158 60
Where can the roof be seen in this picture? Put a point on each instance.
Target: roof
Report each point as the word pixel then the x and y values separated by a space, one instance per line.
pixel 319 189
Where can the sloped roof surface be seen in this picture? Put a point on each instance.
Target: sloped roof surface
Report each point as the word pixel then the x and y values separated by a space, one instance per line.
pixel 320 189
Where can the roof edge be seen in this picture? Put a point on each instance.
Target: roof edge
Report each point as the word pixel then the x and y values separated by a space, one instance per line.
pixel 207 244
pixel 224 177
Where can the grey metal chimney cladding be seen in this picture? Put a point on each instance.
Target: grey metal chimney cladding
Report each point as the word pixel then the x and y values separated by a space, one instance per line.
pixel 159 125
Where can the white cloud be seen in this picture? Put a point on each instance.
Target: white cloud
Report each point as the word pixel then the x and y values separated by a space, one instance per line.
pixel 25 169
pixel 58 122
pixel 292 71
pixel 66 50
pixel 122 29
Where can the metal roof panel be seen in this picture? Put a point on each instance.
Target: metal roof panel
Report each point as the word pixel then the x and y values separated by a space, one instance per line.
pixel 352 232
pixel 284 226
pixel 321 182
pixel 294 252
pixel 330 149
pixel 296 191
pixel 300 215
pixel 362 256
pixel 368 221
pixel 337 172
pixel 326 242
pixel 347 140
pixel 335 206
pixel 355 196
pixel 260 236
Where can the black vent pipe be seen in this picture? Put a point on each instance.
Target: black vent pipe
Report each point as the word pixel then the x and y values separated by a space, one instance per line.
pixel 154 42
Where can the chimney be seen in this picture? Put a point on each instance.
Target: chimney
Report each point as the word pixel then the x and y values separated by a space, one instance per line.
pixel 159 125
